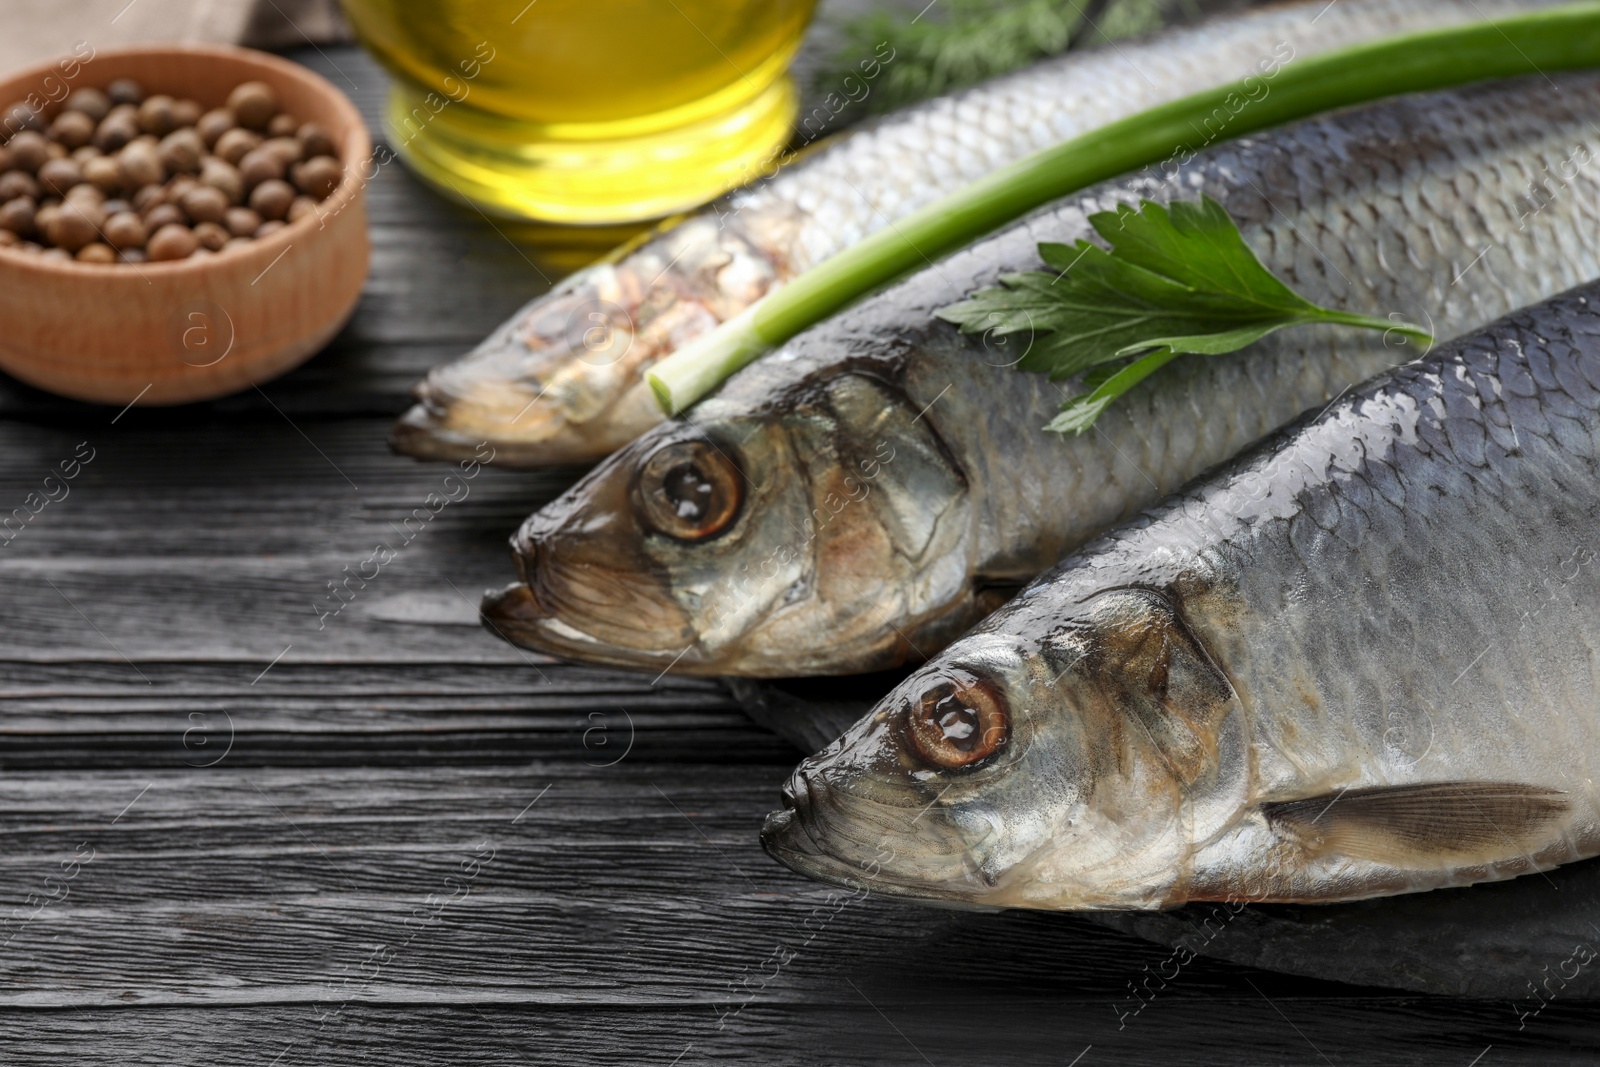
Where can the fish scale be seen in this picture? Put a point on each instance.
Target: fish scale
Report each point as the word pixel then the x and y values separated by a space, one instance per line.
pixel 536 393
pixel 1360 587
pixel 1361 210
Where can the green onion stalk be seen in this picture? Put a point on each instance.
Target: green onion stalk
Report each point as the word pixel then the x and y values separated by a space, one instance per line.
pixel 1541 42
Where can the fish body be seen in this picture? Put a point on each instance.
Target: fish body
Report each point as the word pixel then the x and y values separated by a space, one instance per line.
pixel 867 493
pixel 563 380
pixel 1358 661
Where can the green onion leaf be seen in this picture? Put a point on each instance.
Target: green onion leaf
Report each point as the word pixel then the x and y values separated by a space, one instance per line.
pixel 1177 280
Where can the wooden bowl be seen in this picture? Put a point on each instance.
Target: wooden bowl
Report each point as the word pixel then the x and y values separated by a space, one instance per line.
pixel 191 329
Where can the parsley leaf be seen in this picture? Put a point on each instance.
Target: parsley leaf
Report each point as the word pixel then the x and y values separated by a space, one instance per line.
pixel 1177 280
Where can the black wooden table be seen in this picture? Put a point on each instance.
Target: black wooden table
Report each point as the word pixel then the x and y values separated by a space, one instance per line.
pixel 233 832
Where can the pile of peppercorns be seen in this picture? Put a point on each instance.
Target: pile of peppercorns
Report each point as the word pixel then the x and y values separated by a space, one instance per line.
pixel 116 176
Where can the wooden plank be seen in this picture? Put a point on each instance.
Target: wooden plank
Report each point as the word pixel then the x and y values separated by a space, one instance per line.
pixel 75 715
pixel 637 888
pixel 237 537
pixel 640 885
pixel 1021 1031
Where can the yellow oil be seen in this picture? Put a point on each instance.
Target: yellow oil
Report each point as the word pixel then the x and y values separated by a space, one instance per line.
pixel 585 111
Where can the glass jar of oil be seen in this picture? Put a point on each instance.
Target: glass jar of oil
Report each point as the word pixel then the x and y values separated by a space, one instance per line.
pixel 585 111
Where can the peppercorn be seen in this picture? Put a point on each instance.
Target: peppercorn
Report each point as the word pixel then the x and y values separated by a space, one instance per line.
pixel 205 203
pixel 282 125
pixel 259 166
pixel 164 215
pixel 242 222
pixel 178 187
pixel 288 150
pixel 125 230
pixel 156 117
pixel 15 183
pixel 211 235
pixel 21 116
pixel 72 128
pixel 104 173
pixel 29 150
pixel 59 175
pixel 213 124
pixel 125 91
pixel 318 177
pixel 186 112
pixel 254 104
pixel 180 151
pixel 220 175
pixel 17 215
pixel 86 193
pixel 233 145
pixel 315 141
pixel 147 197
pixel 90 101
pixel 117 128
pixel 74 225
pixel 98 252
pixel 271 199
pixel 171 242
pixel 141 165
pixel 45 212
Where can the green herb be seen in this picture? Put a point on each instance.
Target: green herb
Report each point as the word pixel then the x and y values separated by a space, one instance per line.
pixel 1177 280
pixel 955 43
pixel 1543 41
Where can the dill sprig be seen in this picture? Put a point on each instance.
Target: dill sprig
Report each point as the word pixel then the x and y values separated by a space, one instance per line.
pixel 956 43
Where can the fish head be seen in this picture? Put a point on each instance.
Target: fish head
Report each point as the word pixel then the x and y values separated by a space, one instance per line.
pixel 823 532
pixel 561 382
pixel 1078 771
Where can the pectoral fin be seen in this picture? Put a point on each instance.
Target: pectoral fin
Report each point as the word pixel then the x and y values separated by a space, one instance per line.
pixel 1418 825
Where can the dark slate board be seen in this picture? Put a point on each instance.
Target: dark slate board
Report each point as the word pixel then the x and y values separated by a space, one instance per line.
pixel 262 828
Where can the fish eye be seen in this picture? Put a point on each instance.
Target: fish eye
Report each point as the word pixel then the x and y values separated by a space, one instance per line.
pixel 958 723
pixel 689 490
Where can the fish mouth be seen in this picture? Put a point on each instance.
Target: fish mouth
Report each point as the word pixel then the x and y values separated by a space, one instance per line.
pixel 503 395
pixel 535 404
pixel 443 428
pixel 794 836
pixel 519 616
pixel 423 434
pixel 513 614
pixel 786 836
